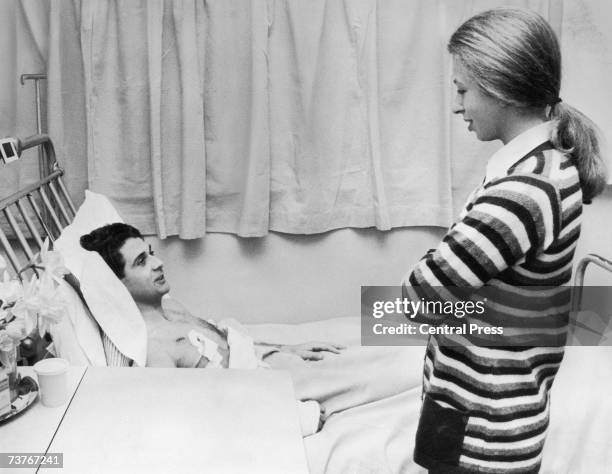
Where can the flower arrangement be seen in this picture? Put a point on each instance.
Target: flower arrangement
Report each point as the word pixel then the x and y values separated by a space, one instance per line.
pixel 30 306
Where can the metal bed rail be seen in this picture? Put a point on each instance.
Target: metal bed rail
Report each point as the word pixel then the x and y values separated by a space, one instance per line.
pixel 579 278
pixel 45 208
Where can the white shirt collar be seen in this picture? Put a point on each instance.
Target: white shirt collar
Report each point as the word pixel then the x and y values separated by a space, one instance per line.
pixel 517 148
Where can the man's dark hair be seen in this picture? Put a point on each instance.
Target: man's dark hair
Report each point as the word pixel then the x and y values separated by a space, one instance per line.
pixel 107 241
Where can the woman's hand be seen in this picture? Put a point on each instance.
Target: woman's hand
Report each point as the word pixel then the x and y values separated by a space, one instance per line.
pixel 312 350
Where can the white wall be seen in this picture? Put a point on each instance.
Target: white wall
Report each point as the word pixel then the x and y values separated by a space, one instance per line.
pixel 298 278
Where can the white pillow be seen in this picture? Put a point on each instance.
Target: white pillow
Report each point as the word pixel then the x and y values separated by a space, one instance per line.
pixel 76 337
pixel 108 299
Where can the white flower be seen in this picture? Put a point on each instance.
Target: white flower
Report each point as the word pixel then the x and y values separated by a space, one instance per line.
pixel 16 329
pixel 27 307
pixel 52 261
pixel 33 303
pixel 10 291
pixel 51 304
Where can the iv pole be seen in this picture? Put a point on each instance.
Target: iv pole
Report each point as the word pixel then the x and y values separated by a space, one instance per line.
pixel 43 161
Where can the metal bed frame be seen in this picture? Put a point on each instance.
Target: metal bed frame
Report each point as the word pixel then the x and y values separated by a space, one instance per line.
pixel 594 332
pixel 45 207
pixel 579 278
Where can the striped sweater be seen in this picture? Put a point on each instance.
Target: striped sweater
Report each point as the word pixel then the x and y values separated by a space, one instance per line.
pixel 517 231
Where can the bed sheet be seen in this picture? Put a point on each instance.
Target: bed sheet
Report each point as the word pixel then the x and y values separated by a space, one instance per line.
pixel 371 396
pixel 580 433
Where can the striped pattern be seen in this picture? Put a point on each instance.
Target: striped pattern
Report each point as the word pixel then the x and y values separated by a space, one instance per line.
pixel 516 232
pixel 114 358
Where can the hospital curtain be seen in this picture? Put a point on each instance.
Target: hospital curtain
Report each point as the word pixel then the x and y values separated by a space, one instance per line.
pixel 247 116
pixel 42 37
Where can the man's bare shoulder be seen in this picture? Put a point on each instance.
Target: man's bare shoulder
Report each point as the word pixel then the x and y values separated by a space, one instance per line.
pixel 174 310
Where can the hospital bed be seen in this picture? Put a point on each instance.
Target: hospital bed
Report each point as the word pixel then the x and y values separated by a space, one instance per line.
pixel 371 395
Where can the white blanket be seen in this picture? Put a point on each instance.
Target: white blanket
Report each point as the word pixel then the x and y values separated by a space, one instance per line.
pixel 371 397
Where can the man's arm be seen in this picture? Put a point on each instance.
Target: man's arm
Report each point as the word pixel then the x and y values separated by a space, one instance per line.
pixel 307 350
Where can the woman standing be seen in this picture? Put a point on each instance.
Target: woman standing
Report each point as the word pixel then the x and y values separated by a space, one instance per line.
pixel 485 408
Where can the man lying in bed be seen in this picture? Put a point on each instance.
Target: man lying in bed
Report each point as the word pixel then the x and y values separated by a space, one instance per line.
pixel 176 338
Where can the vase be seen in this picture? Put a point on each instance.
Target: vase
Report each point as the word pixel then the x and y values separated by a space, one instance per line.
pixel 8 359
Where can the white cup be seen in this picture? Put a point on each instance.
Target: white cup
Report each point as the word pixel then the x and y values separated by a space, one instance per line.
pixel 52 377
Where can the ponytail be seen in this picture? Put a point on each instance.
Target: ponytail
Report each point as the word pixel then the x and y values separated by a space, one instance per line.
pixel 576 135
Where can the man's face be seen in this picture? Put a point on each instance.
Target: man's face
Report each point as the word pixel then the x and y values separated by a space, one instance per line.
pixel 486 116
pixel 144 272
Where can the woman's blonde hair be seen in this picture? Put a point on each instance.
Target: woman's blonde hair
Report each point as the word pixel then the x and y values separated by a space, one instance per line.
pixel 514 56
